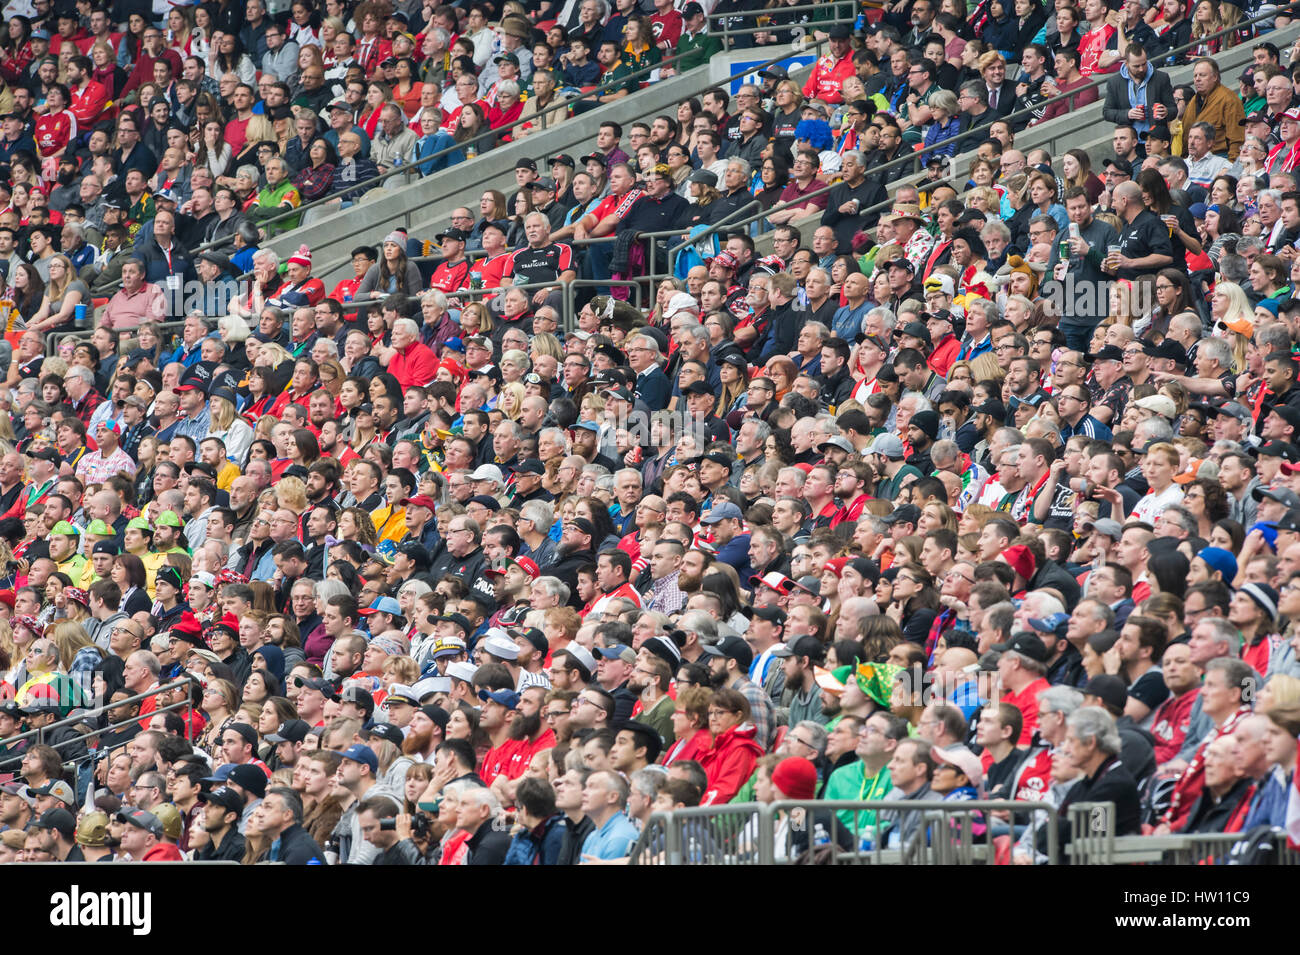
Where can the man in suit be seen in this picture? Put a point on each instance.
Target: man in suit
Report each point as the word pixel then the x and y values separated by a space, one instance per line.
pixel 999 91
pixel 976 116
pixel 652 385
pixel 1138 95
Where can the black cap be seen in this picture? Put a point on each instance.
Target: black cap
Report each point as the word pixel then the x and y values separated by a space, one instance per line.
pixel 904 514
pixel 840 31
pixel 225 797
pixel 530 466
pixel 1027 643
pixel 460 235
pixel 993 408
pixel 384 731
pixel 526 163
pixel 1109 689
pixel 290 731
pixel 595 157
pixel 804 646
pixel 736 649
pixel 1168 348
pixel 700 387
pixel 917 330
pixel 774 615
pixel 1123 165
pixel 563 159
pixel 1107 353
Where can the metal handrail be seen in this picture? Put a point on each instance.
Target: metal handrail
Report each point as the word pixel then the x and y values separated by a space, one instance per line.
pixel 186 680
pixel 485 136
pixel 704 86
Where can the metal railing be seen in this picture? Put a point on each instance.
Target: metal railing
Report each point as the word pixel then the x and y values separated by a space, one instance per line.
pixel 813 832
pixel 726 32
pixel 38 735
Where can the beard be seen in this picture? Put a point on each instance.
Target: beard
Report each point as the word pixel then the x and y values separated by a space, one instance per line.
pixel 525 727
pixel 416 743
pixel 830 705
pixel 688 584
pixel 566 550
pixel 718 680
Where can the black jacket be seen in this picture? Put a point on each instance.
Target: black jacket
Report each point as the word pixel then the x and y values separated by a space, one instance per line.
pixel 488 846
pixel 232 848
pixel 575 834
pixel 1052 574
pixel 566 568
pixel 1115 105
pixel 1111 783
pixel 298 848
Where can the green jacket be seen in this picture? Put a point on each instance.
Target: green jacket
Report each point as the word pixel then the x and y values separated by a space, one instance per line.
pixel 850 782
pixel 696 50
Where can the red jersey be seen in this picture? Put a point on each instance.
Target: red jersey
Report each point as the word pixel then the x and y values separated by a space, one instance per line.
pixel 827 78
pixel 666 28
pixel 1034 777
pixel 500 760
pixel 1170 722
pixel 54 132
pixel 345 290
pixel 449 278
pixel 1026 701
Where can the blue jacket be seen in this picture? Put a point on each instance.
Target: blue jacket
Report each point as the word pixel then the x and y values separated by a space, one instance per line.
pixel 539 846
pixel 1268 807
pixel 736 553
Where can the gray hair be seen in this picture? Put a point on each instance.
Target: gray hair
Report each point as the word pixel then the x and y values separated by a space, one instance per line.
pixel 478 796
pixel 408 325
pixel 553 586
pixel 995 227
pixel 992 310
pixel 1152 429
pixel 147 660
pixel 816 734
pixel 326 590
pixel 267 255
pixel 975 89
pixel 648 343
pixel 887 317
pixel 1217 349
pixel 82 372
pixel 437 296
pixel 509 87
pixel 701 624
pixel 744 165
pixel 1060 699
pixel 854 154
pixel 1092 722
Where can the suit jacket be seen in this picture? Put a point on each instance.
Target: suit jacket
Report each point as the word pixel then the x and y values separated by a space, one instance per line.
pixel 1006 97
pixel 1115 105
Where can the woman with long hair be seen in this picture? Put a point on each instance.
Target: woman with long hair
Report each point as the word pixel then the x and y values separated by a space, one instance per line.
pixel 1269 275
pixel 16 50
pixel 1179 222
pixel 220 702
pixel 393 273
pixel 774 176
pixel 233 431
pixel 228 56
pixel 62 296
pixel 915 602
pixel 733 370
pixel 1173 292
pixel 214 151
pixel 378 95
pixel 29 294
pixel 1076 170
pixel 407 87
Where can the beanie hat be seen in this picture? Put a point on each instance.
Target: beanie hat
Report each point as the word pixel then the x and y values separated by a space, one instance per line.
pixel 1021 560
pixel 796 777
pixel 1216 558
pixel 301 257
pixel 1264 596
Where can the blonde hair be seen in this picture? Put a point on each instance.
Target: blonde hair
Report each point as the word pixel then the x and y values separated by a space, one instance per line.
pixel 547 344
pixel 291 493
pixel 57 290
pixel 510 401
pixel 259 129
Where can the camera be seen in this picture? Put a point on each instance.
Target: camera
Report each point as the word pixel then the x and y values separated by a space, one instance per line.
pixel 421 826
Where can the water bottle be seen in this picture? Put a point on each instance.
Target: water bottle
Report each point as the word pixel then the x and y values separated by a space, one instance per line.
pixel 820 836
pixel 860 23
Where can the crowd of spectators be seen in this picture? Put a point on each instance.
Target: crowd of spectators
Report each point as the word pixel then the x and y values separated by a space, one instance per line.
pixel 983 488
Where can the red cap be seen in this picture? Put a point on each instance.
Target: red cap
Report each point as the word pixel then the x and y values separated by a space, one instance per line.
pixel 796 777
pixel 528 566
pixel 188 624
pixel 7 598
pixel 420 500
pixel 229 620
pixel 836 565
pixel 1021 560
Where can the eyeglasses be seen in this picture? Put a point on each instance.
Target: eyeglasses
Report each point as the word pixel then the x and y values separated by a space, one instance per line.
pixel 555 714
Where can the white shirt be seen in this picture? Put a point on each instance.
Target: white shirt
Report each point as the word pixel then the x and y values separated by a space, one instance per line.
pixel 1153 505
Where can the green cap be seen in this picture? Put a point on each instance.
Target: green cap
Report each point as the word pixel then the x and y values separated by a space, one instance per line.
pixel 139 524
pixel 100 528
pixel 876 681
pixel 66 529
pixel 168 519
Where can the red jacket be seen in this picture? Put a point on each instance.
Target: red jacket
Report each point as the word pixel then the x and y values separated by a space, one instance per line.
pixel 729 763
pixel 416 365
pixel 694 747
pixel 827 78
pixel 88 104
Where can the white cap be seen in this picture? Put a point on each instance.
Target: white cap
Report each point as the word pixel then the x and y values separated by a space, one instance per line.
pixel 488 472
pixel 681 302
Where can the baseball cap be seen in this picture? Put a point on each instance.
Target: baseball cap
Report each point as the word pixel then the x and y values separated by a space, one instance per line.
pixel 888 445
pixel 358 753
pixel 1026 643
pixel 507 698
pixel 387 605
pixel 290 731
pixel 722 512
